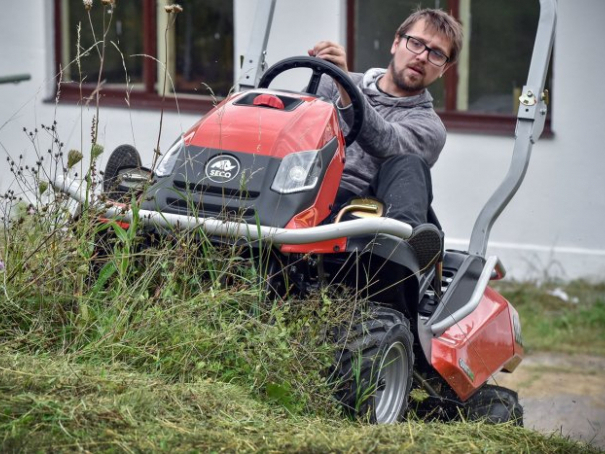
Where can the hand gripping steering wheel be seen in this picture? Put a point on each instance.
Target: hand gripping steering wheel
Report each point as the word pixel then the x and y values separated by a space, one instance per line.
pixel 319 68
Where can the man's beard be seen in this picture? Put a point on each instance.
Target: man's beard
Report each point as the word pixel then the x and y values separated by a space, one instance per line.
pixel 399 80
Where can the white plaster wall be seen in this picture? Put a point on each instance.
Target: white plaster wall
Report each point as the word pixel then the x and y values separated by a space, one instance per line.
pixel 553 225
pixel 296 26
pixel 25 31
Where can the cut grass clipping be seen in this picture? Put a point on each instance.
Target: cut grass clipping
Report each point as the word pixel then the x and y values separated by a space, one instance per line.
pixel 50 403
pixel 106 345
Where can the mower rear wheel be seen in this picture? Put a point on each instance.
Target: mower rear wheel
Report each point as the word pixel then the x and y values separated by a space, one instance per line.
pixel 495 405
pixel 123 156
pixel 375 367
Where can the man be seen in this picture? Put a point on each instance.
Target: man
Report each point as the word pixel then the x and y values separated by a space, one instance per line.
pixel 402 136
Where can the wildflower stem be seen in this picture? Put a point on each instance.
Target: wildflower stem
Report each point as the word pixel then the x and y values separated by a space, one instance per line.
pixel 94 35
pixel 170 23
pixel 106 27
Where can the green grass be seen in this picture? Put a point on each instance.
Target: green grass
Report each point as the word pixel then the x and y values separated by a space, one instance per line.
pixel 551 324
pixel 49 403
pixel 174 349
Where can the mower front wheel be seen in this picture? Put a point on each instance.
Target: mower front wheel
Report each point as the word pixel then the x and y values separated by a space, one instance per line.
pixel 375 367
pixel 124 156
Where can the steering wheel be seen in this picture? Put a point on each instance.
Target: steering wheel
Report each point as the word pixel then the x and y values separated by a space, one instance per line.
pixel 319 68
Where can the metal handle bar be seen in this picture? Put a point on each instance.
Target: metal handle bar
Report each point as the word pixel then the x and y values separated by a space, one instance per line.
pixel 491 264
pixel 357 227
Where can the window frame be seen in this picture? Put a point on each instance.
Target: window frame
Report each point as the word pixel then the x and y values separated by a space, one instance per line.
pixel 149 98
pixel 454 120
pixel 112 96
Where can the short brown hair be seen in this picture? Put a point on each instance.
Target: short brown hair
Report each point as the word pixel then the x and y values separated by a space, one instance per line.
pixel 441 22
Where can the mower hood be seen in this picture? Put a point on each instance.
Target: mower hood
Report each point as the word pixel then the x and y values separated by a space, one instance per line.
pixel 267 123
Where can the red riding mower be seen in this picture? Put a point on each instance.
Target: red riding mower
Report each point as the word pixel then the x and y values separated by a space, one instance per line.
pixel 265 166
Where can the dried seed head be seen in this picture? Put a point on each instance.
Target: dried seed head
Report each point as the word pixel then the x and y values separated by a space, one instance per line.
pixel 73 157
pixel 87 4
pixel 108 2
pixel 42 187
pixel 174 8
pixel 97 150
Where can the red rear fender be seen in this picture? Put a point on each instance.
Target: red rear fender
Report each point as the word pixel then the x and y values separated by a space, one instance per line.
pixel 485 342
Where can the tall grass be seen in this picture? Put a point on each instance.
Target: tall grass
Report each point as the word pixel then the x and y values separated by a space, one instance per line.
pixel 179 307
pixel 112 342
pixel 115 340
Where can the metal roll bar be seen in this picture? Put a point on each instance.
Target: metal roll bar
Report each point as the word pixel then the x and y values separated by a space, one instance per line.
pixel 530 124
pixel 439 327
pixel 252 232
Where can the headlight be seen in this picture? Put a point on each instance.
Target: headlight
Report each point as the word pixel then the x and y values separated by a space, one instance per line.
pixel 298 172
pixel 167 163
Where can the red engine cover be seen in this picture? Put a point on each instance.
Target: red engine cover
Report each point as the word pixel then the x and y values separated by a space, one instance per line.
pixel 261 129
pixel 260 122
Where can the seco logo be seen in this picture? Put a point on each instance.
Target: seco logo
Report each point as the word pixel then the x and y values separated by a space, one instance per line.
pixel 222 169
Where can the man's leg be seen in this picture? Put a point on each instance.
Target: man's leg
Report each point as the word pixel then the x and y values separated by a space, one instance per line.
pixel 404 185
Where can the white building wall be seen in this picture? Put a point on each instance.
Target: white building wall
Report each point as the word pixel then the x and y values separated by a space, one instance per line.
pixel 551 227
pixel 296 27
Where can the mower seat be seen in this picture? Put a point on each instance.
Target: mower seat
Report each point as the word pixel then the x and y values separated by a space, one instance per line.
pixel 361 207
pixel 426 239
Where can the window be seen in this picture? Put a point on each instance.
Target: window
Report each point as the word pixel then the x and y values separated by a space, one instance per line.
pixel 198 49
pixel 481 92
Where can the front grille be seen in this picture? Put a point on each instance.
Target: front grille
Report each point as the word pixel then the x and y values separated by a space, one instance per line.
pixel 201 188
pixel 182 206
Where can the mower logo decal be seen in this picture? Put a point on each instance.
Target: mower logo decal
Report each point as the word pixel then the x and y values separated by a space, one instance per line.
pixel 222 169
pixel 225 165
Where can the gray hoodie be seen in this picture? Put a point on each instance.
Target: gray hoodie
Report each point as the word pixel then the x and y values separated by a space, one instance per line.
pixel 392 125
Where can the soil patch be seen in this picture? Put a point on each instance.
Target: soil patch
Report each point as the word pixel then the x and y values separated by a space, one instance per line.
pixel 563 394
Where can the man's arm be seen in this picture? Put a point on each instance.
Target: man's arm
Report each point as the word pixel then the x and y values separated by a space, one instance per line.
pixel 418 132
pixel 334 53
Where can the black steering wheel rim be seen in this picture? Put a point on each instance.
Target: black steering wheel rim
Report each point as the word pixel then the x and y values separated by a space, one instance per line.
pixel 320 67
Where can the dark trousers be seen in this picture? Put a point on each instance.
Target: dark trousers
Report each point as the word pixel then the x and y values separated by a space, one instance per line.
pixel 404 185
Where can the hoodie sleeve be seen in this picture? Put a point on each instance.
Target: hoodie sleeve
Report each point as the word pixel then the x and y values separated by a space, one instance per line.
pixel 417 130
pixel 395 129
pixel 327 89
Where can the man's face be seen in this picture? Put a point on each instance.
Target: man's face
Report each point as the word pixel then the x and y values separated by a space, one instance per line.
pixel 411 72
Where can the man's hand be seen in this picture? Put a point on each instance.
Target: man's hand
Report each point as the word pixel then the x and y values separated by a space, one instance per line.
pixel 334 53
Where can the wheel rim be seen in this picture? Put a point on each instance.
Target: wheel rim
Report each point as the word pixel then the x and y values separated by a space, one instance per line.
pixel 391 384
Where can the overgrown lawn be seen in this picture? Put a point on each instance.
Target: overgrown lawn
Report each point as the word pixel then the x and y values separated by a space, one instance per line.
pixel 560 317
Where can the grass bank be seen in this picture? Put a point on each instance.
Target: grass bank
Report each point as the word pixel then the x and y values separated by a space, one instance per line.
pixel 566 318
pixel 172 348
pixel 50 403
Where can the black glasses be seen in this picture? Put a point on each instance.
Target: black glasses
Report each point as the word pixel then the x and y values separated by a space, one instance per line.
pixel 417 47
